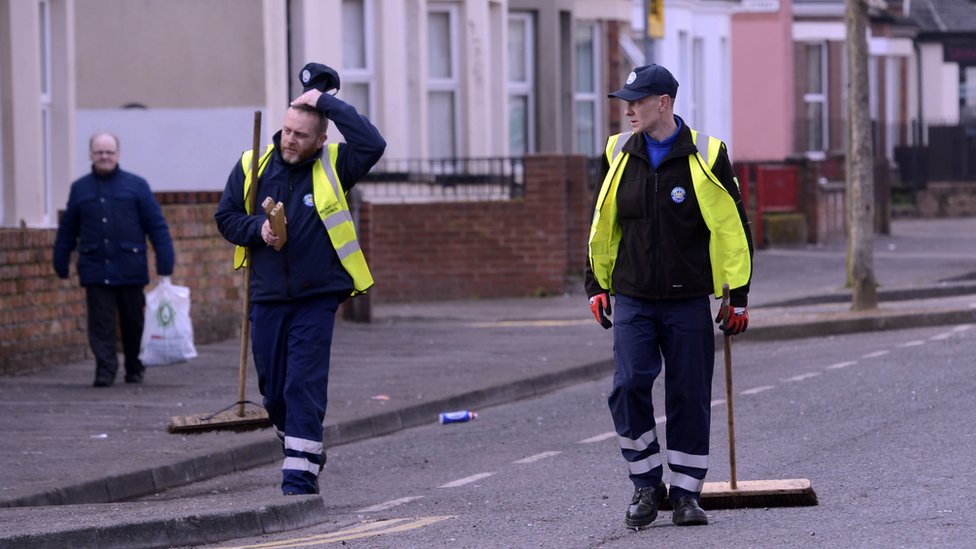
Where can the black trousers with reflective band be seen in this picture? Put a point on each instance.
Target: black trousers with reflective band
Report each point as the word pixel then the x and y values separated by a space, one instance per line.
pixel 103 325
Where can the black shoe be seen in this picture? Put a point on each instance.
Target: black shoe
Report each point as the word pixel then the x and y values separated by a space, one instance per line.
pixel 643 506
pixel 299 492
pixel 688 513
pixel 102 383
pixel 134 379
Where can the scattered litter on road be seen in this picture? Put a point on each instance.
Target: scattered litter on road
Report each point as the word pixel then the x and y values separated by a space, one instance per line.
pixel 101 435
pixel 381 397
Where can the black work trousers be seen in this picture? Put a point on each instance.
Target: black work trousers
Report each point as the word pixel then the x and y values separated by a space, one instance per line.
pixel 103 302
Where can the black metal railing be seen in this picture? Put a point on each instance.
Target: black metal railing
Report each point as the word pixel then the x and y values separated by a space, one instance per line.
pixel 444 180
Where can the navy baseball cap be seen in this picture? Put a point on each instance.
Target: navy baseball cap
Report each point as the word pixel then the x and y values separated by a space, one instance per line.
pixel 645 81
pixel 320 77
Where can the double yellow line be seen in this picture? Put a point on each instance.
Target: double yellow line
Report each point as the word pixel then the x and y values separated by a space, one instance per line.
pixel 378 528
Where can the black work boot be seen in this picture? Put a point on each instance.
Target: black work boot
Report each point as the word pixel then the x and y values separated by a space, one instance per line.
pixel 688 513
pixel 643 506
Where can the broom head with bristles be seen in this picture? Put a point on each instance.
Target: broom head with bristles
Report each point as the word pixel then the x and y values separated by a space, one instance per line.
pixel 224 420
pixel 792 492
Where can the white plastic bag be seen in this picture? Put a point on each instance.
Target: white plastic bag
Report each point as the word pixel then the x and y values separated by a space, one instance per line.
pixel 167 337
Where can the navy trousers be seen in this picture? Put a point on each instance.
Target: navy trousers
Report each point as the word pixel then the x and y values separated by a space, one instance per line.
pixel 680 332
pixel 103 324
pixel 291 342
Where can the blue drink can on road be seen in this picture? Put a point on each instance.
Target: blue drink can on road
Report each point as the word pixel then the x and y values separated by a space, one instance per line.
pixel 457 417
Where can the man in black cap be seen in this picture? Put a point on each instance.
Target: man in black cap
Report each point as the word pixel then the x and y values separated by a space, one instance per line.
pixel 668 230
pixel 296 290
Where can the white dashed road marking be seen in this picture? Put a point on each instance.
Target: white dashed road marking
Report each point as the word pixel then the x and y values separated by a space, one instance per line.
pixel 876 354
pixel 940 337
pixel 757 390
pixel 598 438
pixel 840 365
pixel 801 377
pixel 537 457
pixel 465 480
pixel 914 343
pixel 389 504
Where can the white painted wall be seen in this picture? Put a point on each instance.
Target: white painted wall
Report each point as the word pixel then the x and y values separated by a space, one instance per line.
pixel 174 149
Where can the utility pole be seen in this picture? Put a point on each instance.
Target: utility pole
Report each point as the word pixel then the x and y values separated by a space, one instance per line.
pixel 860 168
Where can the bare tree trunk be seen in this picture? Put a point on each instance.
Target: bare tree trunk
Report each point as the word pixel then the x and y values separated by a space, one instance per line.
pixel 860 168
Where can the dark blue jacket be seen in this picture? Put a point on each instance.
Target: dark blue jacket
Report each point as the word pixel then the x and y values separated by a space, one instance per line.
pixel 307 264
pixel 108 217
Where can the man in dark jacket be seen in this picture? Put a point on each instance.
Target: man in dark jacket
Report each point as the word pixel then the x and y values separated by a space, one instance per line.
pixel 296 287
pixel 110 213
pixel 668 230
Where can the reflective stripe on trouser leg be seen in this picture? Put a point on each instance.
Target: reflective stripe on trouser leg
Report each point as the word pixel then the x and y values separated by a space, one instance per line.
pixel 291 343
pixel 637 363
pixel 306 390
pixel 302 456
pixel 688 344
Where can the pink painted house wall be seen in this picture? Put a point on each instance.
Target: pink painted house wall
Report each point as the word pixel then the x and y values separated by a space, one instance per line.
pixel 763 108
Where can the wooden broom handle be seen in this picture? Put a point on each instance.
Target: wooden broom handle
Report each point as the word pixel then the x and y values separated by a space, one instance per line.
pixel 245 319
pixel 727 311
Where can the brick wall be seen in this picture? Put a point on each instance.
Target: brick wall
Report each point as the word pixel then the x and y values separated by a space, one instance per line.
pixel 43 318
pixel 416 251
pixel 461 250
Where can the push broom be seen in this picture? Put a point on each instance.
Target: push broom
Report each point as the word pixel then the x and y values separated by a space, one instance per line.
pixel 229 419
pixel 794 492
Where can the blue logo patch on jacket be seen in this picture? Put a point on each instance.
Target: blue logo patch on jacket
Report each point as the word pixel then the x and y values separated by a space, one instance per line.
pixel 308 200
pixel 678 195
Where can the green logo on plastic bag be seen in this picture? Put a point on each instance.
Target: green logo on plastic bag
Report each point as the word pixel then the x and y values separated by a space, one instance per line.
pixel 165 314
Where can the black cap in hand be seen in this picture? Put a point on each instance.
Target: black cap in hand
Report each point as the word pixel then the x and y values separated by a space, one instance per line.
pixel 320 77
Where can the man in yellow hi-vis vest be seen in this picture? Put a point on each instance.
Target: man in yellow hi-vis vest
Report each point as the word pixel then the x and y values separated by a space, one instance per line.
pixel 668 230
pixel 297 287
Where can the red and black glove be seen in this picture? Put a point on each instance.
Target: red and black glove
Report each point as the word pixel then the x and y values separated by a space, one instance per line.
pixel 736 324
pixel 600 307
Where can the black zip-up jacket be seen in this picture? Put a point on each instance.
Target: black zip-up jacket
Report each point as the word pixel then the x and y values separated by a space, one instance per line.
pixel 663 250
pixel 307 264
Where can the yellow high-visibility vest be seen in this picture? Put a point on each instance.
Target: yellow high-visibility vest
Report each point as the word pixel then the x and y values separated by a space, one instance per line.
pixel 330 202
pixel 728 247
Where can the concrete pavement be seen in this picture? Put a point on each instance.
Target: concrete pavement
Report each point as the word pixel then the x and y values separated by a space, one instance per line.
pixel 74 457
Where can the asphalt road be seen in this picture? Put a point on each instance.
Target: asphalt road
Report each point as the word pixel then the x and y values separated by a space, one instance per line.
pixel 881 423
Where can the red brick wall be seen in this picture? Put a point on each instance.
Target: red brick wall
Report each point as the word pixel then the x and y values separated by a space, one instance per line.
pixel 464 250
pixel 43 318
pixel 453 250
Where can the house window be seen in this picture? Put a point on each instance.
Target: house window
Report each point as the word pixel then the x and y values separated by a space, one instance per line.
pixel 587 83
pixel 443 84
pixel 521 76
pixel 357 55
pixel 815 97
